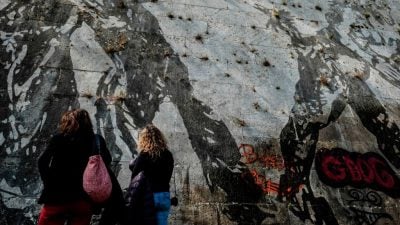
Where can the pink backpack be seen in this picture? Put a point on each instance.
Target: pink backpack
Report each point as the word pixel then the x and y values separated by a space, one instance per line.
pixel 96 180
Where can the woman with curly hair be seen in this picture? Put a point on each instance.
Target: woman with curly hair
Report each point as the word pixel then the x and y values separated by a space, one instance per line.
pixel 156 163
pixel 61 168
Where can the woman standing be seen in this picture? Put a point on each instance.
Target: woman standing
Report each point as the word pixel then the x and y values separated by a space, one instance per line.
pixel 61 168
pixel 157 163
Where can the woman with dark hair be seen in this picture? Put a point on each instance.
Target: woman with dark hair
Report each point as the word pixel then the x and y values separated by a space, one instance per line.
pixel 61 168
pixel 156 163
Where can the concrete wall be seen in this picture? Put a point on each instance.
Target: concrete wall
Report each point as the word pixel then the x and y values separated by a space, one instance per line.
pixel 276 111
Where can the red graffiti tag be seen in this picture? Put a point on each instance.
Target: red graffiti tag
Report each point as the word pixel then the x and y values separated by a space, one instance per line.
pixel 338 167
pixel 267 161
pixel 267 186
pixel 248 153
pixel 251 157
pixel 270 187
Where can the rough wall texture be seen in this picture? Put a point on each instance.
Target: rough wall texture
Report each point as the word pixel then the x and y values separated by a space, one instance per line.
pixel 277 112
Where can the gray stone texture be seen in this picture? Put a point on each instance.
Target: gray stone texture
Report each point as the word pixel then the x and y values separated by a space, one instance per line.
pixel 276 111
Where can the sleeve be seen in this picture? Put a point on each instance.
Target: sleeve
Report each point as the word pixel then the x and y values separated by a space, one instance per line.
pixel 105 153
pixel 45 159
pixel 138 165
pixel 171 165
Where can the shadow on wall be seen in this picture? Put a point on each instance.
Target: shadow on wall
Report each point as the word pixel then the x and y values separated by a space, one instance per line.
pixel 43 81
pixel 52 84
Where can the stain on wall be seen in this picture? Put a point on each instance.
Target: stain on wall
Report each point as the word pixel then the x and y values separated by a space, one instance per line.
pixel 277 112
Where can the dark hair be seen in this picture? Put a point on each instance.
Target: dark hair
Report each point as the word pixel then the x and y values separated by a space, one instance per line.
pixel 75 121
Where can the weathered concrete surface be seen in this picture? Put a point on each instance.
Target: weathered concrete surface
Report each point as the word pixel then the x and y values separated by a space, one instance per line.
pixel 276 111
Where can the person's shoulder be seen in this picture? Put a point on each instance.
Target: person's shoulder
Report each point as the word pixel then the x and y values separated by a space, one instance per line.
pixel 168 153
pixel 143 154
pixel 100 137
pixel 56 137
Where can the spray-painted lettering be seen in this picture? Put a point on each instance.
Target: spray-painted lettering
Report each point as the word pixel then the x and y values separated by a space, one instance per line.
pixel 268 186
pixel 268 161
pixel 338 167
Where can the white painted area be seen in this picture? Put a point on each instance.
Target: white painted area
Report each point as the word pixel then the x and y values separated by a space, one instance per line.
pixel 308 28
pixel 10 200
pixel 26 139
pixel 126 157
pixel 170 122
pixel 100 2
pixel 343 29
pixel 384 90
pixel 129 14
pixel 360 42
pixel 111 22
pixel 86 53
pixel 4 3
pixel 45 28
pixel 71 22
pixel 2 139
pixel 230 30
pixel 132 131
pixel 10 76
pixel 11 15
pixel 126 154
pixel 89 62
pixel 223 32
pixel 20 10
pixel 44 117
pixel 22 90
pixel 165 119
pixel 122 82
pixel 11 120
pixel 11 46
pixel 349 65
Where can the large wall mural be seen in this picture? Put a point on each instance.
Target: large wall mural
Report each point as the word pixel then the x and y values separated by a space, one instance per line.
pixel 277 112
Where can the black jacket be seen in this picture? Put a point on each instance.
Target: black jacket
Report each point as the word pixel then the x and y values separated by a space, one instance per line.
pixel 140 202
pixel 62 164
pixel 155 177
pixel 158 170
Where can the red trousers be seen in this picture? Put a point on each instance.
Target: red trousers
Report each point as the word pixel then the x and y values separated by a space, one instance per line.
pixel 74 213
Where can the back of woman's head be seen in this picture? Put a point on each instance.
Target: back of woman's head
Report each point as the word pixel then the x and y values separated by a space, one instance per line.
pixel 151 140
pixel 76 121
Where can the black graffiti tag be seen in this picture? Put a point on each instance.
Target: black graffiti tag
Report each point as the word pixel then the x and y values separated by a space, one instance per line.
pixel 360 198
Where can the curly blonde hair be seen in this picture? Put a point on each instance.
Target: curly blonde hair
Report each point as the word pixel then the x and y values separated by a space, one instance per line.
pixel 152 141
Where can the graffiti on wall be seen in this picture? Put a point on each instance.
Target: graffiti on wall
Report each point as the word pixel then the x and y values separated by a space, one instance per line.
pixel 72 60
pixel 338 168
pixel 264 161
pixel 300 136
pixel 362 203
pixel 46 66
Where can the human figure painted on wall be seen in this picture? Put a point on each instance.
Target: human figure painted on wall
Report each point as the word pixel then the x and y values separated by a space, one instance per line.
pixel 326 54
pixel 77 53
pixel 43 60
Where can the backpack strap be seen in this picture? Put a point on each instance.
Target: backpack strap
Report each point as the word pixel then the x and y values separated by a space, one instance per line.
pixel 97 140
pixel 96 145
